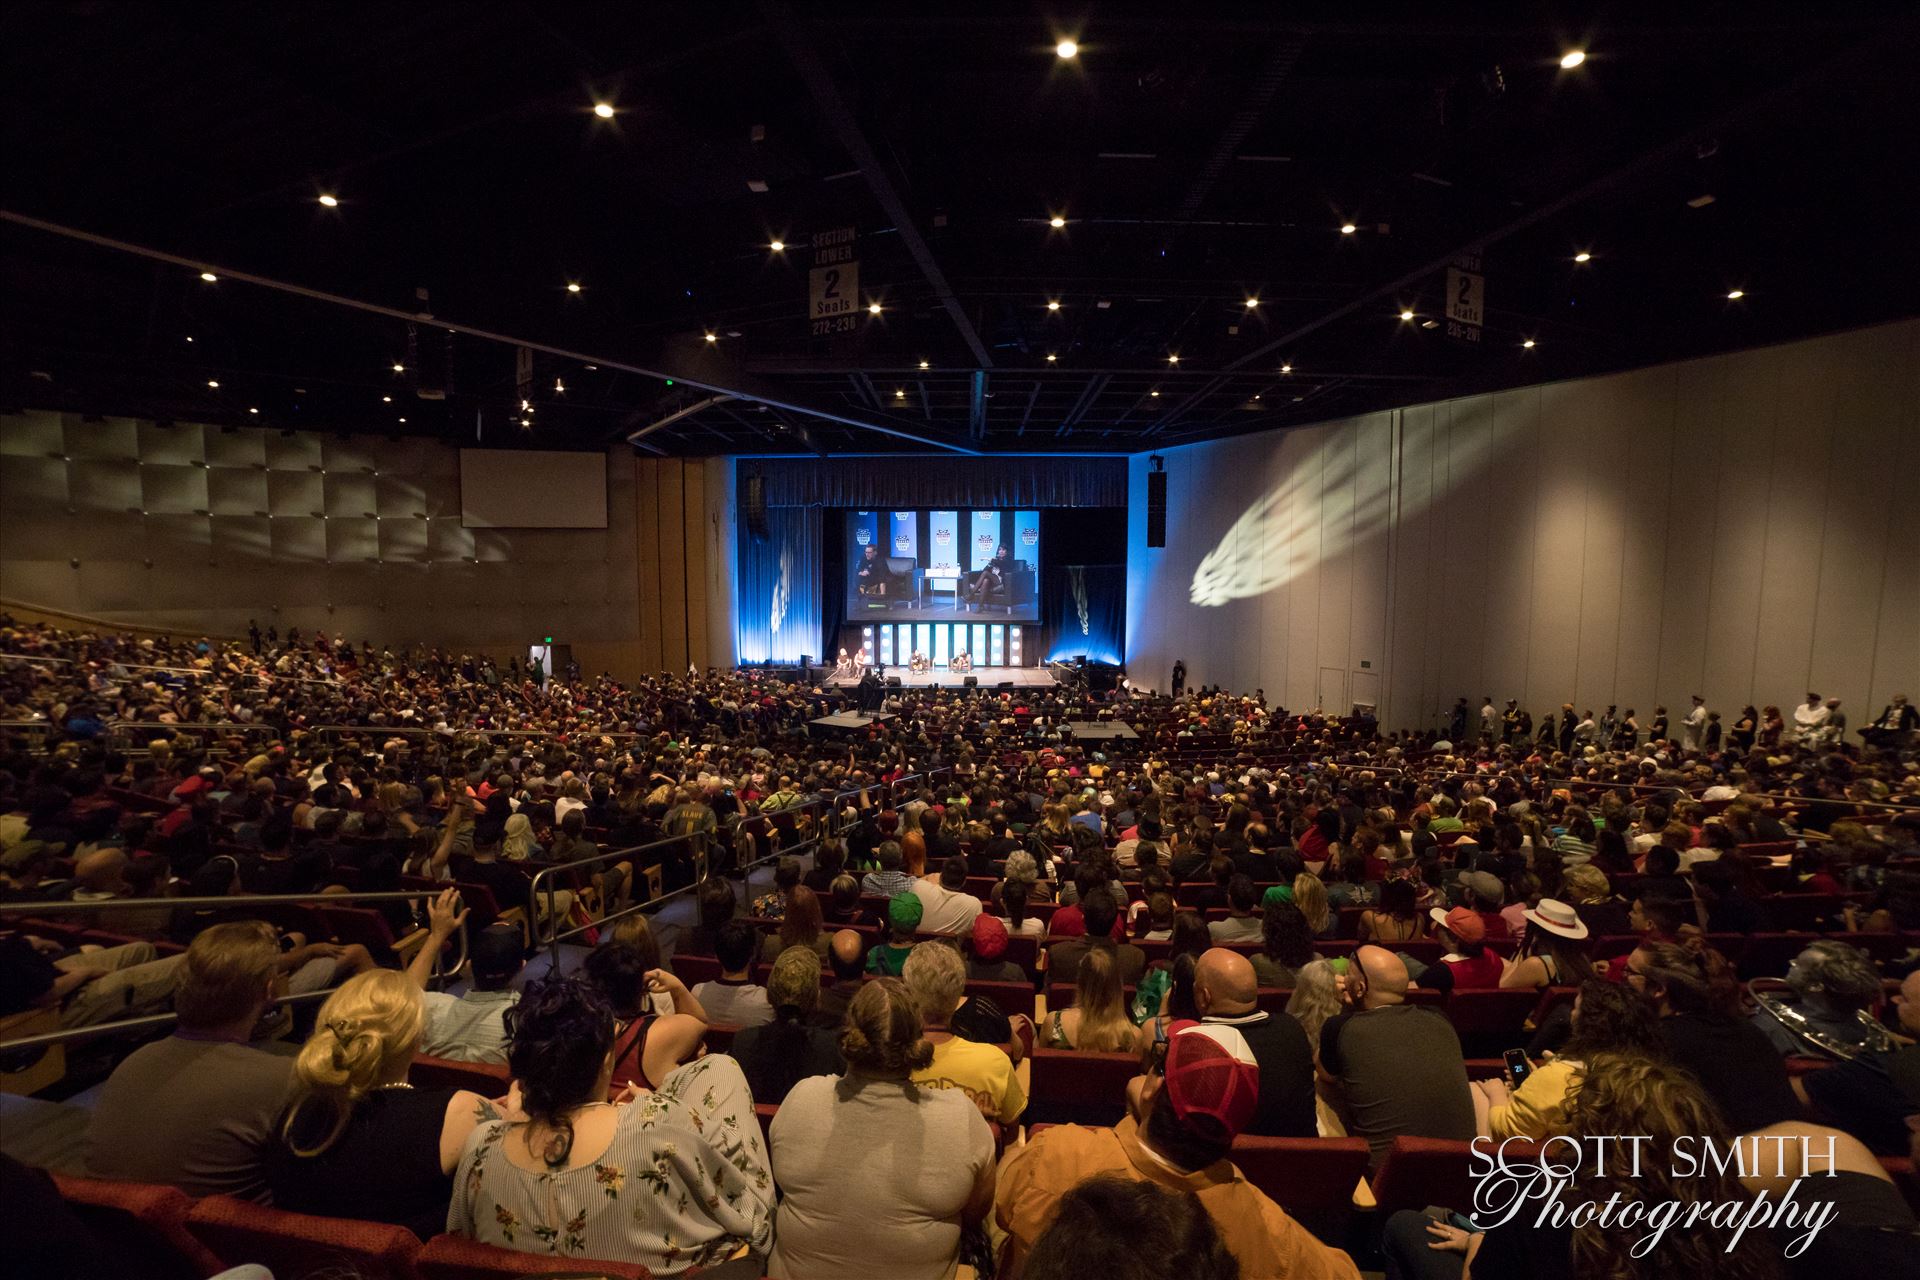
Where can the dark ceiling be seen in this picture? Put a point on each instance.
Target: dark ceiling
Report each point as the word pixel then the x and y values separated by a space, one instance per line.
pixel 1200 155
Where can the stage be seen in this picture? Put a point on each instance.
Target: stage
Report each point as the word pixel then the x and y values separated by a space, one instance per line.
pixel 940 677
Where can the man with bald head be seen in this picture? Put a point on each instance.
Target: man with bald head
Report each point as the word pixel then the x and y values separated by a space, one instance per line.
pixel 1226 991
pixel 847 954
pixel 1398 1066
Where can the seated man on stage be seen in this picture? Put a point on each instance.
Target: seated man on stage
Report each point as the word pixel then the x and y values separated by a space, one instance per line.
pixel 918 663
pixel 961 662
pixel 875 578
pixel 992 582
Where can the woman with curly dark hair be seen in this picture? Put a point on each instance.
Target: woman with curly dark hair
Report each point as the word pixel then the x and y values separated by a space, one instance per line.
pixel 863 1194
pixel 1286 943
pixel 674 1179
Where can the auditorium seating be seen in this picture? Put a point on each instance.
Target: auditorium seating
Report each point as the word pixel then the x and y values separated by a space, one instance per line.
pixel 294 1243
pixel 488 1079
pixel 135 1219
pixel 449 1257
pixel 1067 1086
pixel 1311 1178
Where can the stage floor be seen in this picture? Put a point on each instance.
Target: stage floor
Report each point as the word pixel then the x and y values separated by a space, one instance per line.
pixel 989 677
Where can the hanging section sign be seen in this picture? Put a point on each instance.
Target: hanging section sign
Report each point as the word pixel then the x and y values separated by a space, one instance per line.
pixel 1466 298
pixel 833 285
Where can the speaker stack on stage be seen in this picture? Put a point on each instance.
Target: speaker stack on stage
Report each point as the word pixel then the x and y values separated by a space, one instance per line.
pixel 1157 502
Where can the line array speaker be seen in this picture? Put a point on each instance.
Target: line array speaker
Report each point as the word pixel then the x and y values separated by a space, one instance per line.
pixel 1156 508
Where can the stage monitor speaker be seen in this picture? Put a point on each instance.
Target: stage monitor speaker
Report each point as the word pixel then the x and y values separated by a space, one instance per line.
pixel 971 682
pixel 893 682
pixel 1006 684
pixel 1156 508
pixel 753 502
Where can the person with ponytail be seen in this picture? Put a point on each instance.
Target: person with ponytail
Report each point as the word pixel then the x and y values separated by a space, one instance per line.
pixel 358 1141
pixel 674 1179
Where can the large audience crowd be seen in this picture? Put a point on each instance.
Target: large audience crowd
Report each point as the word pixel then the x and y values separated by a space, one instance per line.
pixel 1277 917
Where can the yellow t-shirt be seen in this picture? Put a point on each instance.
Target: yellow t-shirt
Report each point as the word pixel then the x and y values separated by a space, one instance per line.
pixel 1538 1108
pixel 982 1071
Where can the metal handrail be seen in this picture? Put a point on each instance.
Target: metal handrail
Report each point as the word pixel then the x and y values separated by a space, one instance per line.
pixel 67 1035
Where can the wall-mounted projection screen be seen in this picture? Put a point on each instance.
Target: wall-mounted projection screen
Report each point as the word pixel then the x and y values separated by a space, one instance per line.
pixel 532 489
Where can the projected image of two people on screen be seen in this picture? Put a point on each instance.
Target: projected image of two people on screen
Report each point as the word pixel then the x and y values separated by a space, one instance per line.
pixel 933 565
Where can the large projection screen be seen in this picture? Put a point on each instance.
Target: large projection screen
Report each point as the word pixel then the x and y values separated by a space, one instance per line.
pixel 532 489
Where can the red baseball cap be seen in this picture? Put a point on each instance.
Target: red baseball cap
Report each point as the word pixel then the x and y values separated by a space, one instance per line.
pixel 989 937
pixel 1211 1077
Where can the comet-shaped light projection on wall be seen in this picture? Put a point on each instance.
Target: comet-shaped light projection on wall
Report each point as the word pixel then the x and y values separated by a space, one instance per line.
pixel 781 591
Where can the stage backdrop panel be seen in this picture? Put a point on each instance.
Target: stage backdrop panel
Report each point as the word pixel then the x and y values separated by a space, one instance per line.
pixel 777 588
pixel 1741 527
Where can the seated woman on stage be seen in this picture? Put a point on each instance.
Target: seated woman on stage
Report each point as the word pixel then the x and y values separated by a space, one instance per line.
pixel 843 666
pixel 918 663
pixel 961 662
pixel 992 580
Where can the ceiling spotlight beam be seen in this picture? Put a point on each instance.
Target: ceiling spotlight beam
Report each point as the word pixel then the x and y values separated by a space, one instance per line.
pixel 826 95
pixel 1279 65
pixel 1633 169
pixel 704 370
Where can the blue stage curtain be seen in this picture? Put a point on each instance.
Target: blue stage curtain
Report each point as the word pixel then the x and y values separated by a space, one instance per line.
pixel 1087 612
pixel 776 588
pixel 940 481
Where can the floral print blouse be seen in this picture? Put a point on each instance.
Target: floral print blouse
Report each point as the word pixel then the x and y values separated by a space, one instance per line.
pixel 684 1183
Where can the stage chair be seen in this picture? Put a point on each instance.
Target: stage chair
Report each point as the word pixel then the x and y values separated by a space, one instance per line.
pixel 297 1244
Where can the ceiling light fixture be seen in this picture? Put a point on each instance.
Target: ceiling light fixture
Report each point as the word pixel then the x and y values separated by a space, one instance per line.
pixel 559 387
pixel 1252 303
pixel 1056 222
pixel 386 399
pixel 1528 344
pixel 1736 294
pixel 923 364
pixel 253 411
pixel 713 337
pixel 403 419
pixel 213 384
pixel 604 110
pixel 208 276
pixel 1583 256
pixel 1066 48
pixel 778 246
pixel 873 308
pixel 1052 305
pixel 899 393
pixel 1173 359
pixel 1154 394
pixel 329 200
pixel 399 368
pixel 1406 315
pixel 573 286
pixel 1573 58
pixel 1347 228
pixel 1052 358
pixel 1286 368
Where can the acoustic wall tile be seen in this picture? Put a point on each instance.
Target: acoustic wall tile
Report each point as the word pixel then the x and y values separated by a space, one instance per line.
pixel 104 485
pixel 177 444
pixel 353 454
pixel 236 447
pixel 33 434
pixel 32 486
pixel 184 541
pixel 402 539
pixel 447 540
pixel 115 438
pixel 293 452
pixel 241 537
pixel 398 497
pixel 348 493
pixel 351 541
pixel 34 533
pixel 396 457
pixel 233 491
pixel 299 538
pixel 173 490
pixel 295 493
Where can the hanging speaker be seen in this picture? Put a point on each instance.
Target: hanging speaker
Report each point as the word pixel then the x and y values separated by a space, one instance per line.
pixel 1156 508
pixel 753 501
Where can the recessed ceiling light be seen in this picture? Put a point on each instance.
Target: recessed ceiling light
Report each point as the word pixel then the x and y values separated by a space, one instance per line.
pixel 1051 358
pixel 1286 368
pixel 899 393
pixel 208 276
pixel 1429 324
pixel 1052 305
pixel 778 246
pixel 923 364
pixel 331 201
pixel 399 368
pixel 713 337
pixel 573 286
pixel 559 387
pixel 403 419
pixel 1154 394
pixel 1573 58
pixel 1701 201
pixel 1736 294
pixel 213 384
pixel 1066 48
pixel 1056 222
pixel 1347 228
pixel 1252 303
pixel 189 337
pixel 873 308
pixel 1173 359
pixel 1528 344
pixel 386 399
pixel 1583 256
pixel 253 411
pixel 1406 315
pixel 604 110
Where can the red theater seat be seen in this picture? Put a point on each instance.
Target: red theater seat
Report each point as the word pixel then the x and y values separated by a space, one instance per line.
pixel 488 1079
pixel 141 1220
pixel 1070 1087
pixel 449 1257
pixel 1311 1178
pixel 298 1244
pixel 1417 1172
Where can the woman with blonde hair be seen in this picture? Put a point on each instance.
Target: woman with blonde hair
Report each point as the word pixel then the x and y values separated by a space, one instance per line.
pixel 358 1141
pixel 1098 1021
pixel 517 843
pixel 1310 895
